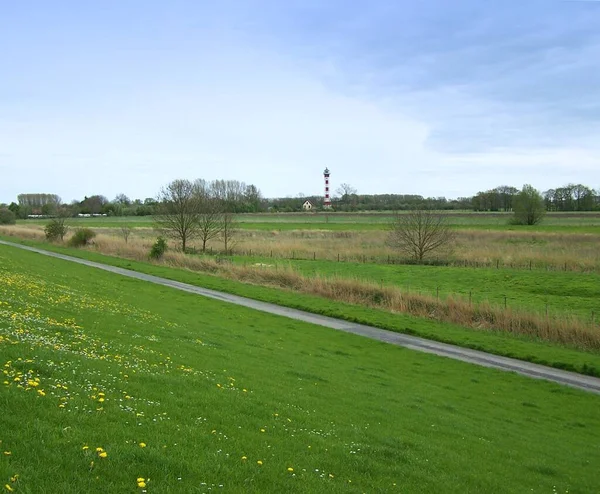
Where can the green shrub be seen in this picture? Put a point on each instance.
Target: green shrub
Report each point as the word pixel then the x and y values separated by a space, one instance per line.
pixel 7 217
pixel 159 248
pixel 56 229
pixel 82 237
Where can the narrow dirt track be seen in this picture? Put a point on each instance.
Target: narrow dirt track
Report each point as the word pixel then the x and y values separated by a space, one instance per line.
pixel 535 371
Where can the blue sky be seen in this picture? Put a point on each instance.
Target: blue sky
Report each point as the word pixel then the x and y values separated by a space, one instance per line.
pixel 431 97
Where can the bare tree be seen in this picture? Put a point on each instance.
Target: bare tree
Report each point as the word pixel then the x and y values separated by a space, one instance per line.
pixel 345 191
pixel 178 212
pixel 126 232
pixel 348 197
pixel 210 221
pixel 419 232
pixel 228 230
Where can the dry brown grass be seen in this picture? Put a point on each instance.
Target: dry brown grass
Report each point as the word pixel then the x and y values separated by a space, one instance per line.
pixel 541 250
pixel 30 232
pixel 576 252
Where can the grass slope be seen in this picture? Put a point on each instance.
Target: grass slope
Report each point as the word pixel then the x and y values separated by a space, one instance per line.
pixel 497 343
pixel 190 394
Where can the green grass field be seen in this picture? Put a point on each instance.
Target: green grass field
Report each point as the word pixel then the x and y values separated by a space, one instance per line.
pixel 564 293
pixel 193 395
pixel 554 222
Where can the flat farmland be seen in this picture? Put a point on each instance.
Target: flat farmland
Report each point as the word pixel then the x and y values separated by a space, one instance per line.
pixel 560 222
pixel 120 380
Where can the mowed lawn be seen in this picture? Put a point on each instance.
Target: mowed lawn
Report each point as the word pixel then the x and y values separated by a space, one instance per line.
pixel 185 394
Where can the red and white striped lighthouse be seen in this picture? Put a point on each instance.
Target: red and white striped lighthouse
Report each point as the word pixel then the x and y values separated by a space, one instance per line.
pixel 327 201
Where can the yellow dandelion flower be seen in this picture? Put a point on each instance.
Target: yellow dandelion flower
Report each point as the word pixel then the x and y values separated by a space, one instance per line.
pixel 7 453
pixel 85 447
pixel 142 445
pixel 142 485
pixel 290 469
pixel 262 430
pixel 99 450
pixel 259 462
pixel 244 458
pixel 330 475
pixel 100 400
pixel 14 478
pixel 140 479
pixel 8 488
pixel 103 454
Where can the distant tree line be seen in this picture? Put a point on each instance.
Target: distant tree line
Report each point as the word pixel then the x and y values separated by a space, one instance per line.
pixel 242 198
pixel 238 197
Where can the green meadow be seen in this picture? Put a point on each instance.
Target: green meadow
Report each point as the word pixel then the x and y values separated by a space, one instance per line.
pixel 553 222
pixel 562 293
pixel 116 385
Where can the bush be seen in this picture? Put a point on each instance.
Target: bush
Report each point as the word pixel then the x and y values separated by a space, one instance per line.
pixel 56 229
pixel 7 217
pixel 82 237
pixel 159 248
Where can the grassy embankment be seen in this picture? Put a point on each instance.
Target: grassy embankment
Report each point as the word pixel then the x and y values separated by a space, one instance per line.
pixel 194 395
pixel 212 275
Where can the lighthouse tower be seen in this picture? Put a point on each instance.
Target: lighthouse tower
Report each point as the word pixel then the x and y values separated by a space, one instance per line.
pixel 327 201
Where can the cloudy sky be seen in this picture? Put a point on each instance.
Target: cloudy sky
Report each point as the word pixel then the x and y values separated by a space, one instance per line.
pixel 433 97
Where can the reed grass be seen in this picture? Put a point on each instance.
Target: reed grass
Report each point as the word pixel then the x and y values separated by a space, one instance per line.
pixel 483 248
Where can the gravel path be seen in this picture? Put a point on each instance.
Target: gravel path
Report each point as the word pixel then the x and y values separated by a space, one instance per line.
pixel 536 371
